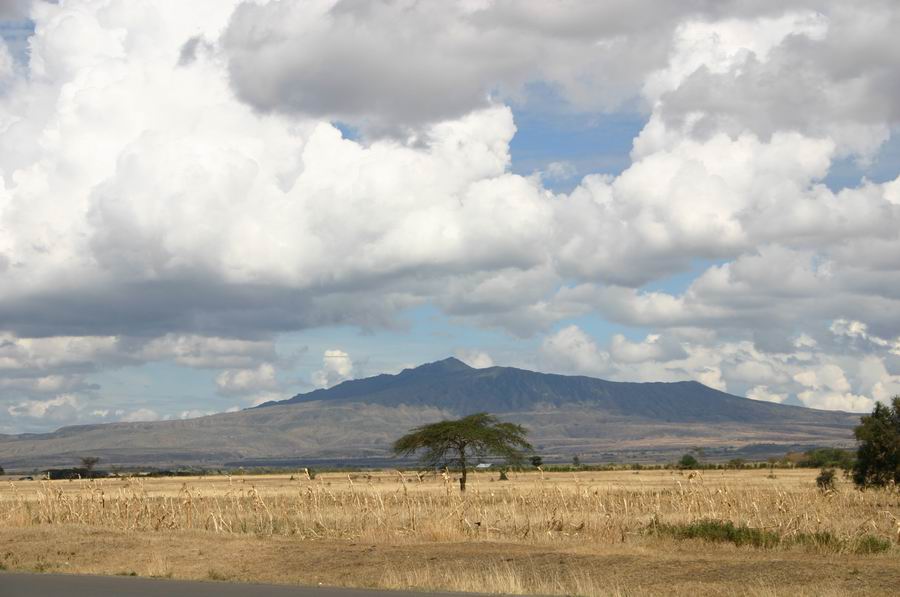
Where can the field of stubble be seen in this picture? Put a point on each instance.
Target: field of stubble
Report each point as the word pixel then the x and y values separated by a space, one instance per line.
pixel 590 533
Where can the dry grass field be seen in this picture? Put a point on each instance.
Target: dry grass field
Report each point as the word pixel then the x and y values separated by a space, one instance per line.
pixel 590 533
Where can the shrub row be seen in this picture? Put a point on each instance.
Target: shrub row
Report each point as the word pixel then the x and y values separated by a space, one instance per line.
pixel 724 531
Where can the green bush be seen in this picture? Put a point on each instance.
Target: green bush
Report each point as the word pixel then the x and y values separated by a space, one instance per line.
pixel 820 541
pixel 688 461
pixel 825 481
pixel 827 458
pixel 878 455
pixel 872 544
pixel 718 531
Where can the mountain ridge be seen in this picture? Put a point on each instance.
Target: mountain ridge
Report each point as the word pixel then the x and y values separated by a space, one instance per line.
pixel 356 422
pixel 429 383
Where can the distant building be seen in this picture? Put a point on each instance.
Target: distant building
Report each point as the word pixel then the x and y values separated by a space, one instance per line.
pixel 483 466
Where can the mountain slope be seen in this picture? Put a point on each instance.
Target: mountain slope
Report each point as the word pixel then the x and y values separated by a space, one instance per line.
pixel 462 389
pixel 358 420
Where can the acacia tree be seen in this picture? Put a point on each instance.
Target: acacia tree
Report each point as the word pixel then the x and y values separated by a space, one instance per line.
pixel 89 462
pixel 878 455
pixel 456 443
pixel 688 461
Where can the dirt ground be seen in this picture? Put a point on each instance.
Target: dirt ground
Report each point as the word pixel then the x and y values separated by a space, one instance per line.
pixel 674 569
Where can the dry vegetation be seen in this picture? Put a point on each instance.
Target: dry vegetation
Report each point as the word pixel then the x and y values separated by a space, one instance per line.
pixel 591 533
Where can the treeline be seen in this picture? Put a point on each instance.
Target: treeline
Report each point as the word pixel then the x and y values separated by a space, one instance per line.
pixel 816 458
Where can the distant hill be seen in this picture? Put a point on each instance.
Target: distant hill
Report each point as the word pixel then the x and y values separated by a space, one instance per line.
pixel 451 384
pixel 357 421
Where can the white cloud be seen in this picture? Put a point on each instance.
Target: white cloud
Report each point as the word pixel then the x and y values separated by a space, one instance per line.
pixel 38 368
pixel 721 46
pixel 266 191
pixel 207 352
pixel 45 353
pixel 244 381
pixel 763 393
pixel 258 398
pixel 48 384
pixel 559 171
pixel 653 348
pixel 55 409
pixel 728 64
pixel 7 64
pixel 804 373
pixel 194 413
pixel 857 332
pixel 14 9
pixel 828 388
pixel 787 73
pixel 139 415
pixel 357 62
pixel 337 366
pixel 571 350
pixel 475 358
pixel 172 188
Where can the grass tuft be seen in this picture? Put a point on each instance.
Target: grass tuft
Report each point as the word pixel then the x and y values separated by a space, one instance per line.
pixel 214 574
pixel 718 531
pixel 871 544
pixel 821 541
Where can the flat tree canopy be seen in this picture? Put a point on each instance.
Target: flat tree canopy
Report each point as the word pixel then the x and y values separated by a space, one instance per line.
pixel 89 462
pixel 455 443
pixel 878 456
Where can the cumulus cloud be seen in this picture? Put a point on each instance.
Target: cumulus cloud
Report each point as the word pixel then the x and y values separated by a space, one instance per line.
pixel 337 366
pixel 857 334
pixel 823 73
pixel 244 381
pixel 141 414
pixel 763 393
pixel 49 365
pixel 559 171
pixel 207 352
pixel 14 9
pixel 475 358
pixel 391 66
pixel 807 374
pixel 653 348
pixel 59 408
pixel 255 386
pixel 712 62
pixel 173 188
pixel 827 387
pixel 257 235
pixel 7 64
pixel 571 350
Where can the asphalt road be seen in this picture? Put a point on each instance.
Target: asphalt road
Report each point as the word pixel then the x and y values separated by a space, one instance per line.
pixel 13 584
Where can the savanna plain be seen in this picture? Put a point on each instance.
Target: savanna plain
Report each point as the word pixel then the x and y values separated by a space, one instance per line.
pixel 648 532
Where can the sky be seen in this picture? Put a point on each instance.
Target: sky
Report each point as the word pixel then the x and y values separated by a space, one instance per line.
pixel 205 205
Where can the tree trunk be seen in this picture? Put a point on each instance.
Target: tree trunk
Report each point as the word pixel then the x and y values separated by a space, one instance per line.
pixel 462 462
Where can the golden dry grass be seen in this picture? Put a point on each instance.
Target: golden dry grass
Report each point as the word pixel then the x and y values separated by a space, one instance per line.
pixel 557 526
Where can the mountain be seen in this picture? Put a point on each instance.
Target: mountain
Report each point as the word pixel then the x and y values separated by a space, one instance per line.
pixel 357 421
pixel 453 385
